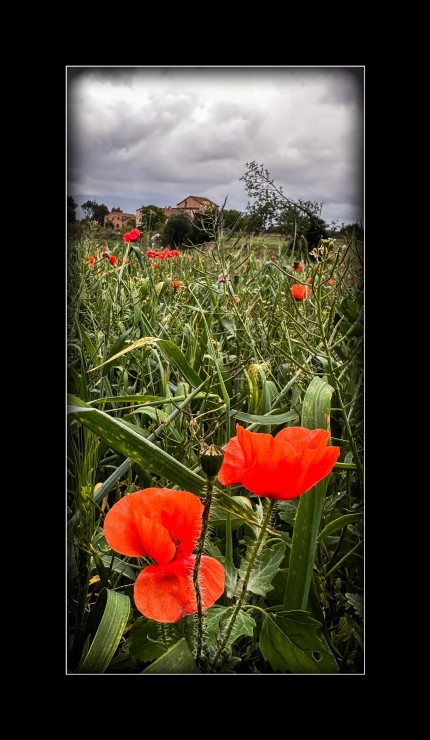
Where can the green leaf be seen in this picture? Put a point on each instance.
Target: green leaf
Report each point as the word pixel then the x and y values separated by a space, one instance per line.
pixel 315 415
pixel 178 659
pixel 265 567
pixel 218 616
pixel 137 399
pixel 172 352
pixel 144 640
pixel 123 438
pixel 218 515
pixel 356 602
pixel 266 419
pixel 337 524
pixel 109 632
pixel 289 641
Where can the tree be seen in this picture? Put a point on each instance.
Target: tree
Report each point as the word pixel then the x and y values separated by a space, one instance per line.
pixel 71 209
pixel 153 218
pixel 178 228
pixel 272 210
pixel 95 211
pixel 116 210
pixel 232 219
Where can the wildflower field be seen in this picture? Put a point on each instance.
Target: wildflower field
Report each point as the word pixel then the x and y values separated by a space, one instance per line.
pixel 214 457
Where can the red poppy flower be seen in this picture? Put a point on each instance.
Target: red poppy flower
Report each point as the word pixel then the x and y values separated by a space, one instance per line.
pixel 297 266
pixel 151 253
pixel 330 282
pixel 113 260
pixel 131 236
pixel 175 284
pixel 300 292
pixel 280 467
pixel 164 525
pixel 127 262
pixel 105 253
pixel 91 260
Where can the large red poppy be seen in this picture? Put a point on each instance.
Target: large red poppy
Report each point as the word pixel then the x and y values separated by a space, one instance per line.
pixel 279 467
pixel 164 525
pixel 131 236
pixel 300 292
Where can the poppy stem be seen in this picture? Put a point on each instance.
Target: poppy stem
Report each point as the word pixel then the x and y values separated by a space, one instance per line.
pixel 199 552
pixel 251 561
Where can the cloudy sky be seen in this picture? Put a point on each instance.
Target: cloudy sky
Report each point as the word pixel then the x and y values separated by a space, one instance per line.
pixel 155 135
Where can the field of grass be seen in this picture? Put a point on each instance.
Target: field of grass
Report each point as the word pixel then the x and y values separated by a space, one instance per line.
pixel 166 356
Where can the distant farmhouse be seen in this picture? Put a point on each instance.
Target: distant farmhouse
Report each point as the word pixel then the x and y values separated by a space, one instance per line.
pixel 190 206
pixel 118 219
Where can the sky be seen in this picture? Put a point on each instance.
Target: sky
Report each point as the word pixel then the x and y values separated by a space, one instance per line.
pixel 155 135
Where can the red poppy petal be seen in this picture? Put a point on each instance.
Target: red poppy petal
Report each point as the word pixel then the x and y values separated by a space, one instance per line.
pixel 255 445
pixel 121 526
pixel 233 464
pixel 315 465
pixel 156 540
pixel 180 512
pixel 166 593
pixel 302 438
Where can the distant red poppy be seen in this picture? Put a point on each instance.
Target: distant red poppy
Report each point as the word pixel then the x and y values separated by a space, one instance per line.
pixel 280 467
pixel 308 279
pixel 127 262
pixel 176 284
pixel 273 256
pixel 164 525
pixel 91 260
pixel 131 236
pixel 113 260
pixel 151 253
pixel 297 266
pixel 300 292
pixel 330 282
pixel 105 253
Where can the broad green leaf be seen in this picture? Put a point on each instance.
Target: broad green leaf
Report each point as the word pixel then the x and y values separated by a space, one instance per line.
pixel 134 399
pixel 337 524
pixel 218 515
pixel 178 659
pixel 266 419
pixel 315 415
pixel 265 567
pixel 356 601
pixel 145 640
pixel 123 438
pixel 109 632
pixel 118 566
pixel 229 325
pixel 289 641
pixel 217 618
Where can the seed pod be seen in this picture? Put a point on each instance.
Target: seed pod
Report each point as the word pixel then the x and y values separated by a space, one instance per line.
pixel 211 460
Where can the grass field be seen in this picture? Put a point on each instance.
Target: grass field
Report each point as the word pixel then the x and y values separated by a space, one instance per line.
pixel 166 356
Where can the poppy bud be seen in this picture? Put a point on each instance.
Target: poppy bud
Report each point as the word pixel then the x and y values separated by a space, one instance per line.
pixel 211 460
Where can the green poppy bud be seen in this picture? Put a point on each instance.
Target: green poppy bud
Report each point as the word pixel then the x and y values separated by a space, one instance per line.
pixel 211 460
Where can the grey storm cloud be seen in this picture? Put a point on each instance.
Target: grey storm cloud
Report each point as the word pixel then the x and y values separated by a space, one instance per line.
pixel 153 135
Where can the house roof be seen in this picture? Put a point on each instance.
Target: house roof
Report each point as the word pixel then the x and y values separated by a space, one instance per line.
pixel 200 199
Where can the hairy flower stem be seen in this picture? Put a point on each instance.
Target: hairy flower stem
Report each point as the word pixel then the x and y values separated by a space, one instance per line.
pixel 199 553
pixel 241 599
